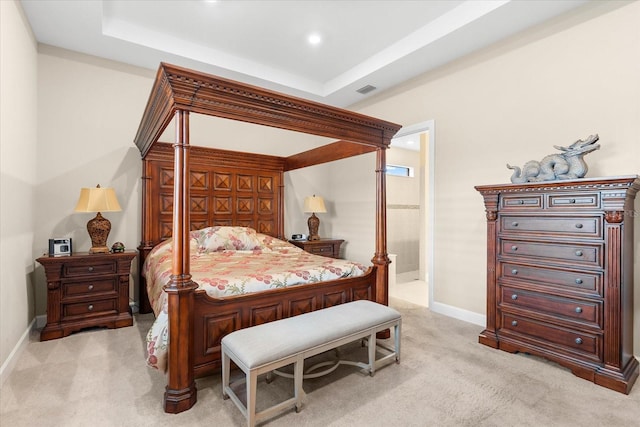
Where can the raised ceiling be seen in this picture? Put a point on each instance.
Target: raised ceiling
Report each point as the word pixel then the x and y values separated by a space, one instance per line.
pixel 377 43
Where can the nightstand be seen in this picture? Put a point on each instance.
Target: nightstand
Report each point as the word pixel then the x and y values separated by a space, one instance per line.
pixel 325 247
pixel 86 290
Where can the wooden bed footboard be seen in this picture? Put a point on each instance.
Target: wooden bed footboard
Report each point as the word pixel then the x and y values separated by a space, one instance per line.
pixel 203 321
pixel 215 318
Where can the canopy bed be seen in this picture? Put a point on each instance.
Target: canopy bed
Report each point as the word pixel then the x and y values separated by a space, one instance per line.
pixel 187 188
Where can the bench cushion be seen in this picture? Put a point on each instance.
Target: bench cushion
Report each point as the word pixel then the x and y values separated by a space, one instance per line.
pixel 255 347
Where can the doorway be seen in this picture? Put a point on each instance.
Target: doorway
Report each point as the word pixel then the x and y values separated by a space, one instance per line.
pixel 410 278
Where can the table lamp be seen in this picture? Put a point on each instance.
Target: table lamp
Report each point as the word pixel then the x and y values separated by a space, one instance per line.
pixel 98 200
pixel 312 205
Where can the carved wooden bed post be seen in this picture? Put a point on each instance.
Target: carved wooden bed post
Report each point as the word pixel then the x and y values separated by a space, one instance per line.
pixel 381 258
pixel 181 393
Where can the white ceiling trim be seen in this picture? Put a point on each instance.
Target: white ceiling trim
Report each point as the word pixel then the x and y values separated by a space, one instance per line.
pixel 440 27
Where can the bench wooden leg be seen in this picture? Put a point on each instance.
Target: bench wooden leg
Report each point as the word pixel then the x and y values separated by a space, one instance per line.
pixel 226 371
pixel 298 374
pixel 252 387
pixel 372 354
pixel 396 333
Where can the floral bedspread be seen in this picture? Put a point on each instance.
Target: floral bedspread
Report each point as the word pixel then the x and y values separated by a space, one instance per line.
pixel 228 261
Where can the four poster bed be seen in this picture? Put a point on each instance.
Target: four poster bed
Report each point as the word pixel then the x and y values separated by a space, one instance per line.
pixel 186 189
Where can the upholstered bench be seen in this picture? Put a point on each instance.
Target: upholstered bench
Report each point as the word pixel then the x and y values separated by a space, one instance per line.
pixel 267 347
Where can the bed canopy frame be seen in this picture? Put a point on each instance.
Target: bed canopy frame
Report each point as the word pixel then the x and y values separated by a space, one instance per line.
pixel 176 93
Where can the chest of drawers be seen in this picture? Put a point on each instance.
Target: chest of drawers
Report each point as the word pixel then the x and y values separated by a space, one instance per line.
pixel 560 274
pixel 86 290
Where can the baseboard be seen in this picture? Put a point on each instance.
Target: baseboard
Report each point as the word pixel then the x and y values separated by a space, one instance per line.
pixel 41 321
pixel 9 364
pixel 459 313
pixel 134 307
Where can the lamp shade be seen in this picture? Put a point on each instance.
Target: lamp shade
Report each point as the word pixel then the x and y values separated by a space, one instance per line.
pixel 314 204
pixel 98 200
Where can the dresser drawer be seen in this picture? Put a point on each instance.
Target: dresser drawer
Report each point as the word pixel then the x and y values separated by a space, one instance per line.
pixel 73 270
pixel 548 333
pixel 588 255
pixel 588 313
pixel 521 201
pixel 566 226
pixel 83 309
pixel 581 282
pixel 89 287
pixel 573 201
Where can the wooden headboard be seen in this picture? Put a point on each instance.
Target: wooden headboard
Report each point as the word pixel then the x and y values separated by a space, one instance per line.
pixel 226 188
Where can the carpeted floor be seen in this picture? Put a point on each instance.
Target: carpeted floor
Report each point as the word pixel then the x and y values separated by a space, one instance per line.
pixel 445 378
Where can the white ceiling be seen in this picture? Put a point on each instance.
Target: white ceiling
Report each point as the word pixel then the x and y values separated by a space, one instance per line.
pixel 378 43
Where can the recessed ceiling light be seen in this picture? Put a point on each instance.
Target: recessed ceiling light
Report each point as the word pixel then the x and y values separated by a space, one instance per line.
pixel 314 39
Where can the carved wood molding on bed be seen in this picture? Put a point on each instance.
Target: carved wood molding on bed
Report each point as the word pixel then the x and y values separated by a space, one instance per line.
pixel 186 188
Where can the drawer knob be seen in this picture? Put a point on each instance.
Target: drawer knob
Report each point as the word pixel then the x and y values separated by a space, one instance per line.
pixel 90 308
pixel 578 253
pixel 578 281
pixel 521 202
pixel 578 309
pixel 578 225
pixel 514 323
pixel 572 200
pixel 514 248
pixel 578 340
pixel 514 271
pixel 90 268
pixel 514 223
pixel 90 287
pixel 514 297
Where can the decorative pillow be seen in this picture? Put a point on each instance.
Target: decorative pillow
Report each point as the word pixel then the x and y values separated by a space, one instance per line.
pixel 222 238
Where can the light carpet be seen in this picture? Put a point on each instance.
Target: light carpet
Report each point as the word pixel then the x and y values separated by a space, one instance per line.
pixel 445 378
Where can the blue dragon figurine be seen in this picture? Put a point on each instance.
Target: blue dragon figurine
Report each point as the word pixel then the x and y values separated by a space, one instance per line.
pixel 569 164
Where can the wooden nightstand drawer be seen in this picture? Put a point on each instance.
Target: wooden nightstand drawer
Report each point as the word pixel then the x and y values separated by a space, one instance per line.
pixel 323 247
pixel 71 270
pixel 89 288
pixel 96 308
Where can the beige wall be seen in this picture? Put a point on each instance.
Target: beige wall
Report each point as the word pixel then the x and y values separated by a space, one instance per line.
pixel 18 135
pixel 511 103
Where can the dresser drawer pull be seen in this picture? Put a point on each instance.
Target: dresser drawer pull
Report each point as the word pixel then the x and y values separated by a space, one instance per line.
pixel 514 323
pixel 578 225
pixel 578 309
pixel 514 248
pixel 514 297
pixel 90 308
pixel 578 340
pixel 90 287
pixel 515 224
pixel 514 271
pixel 578 281
pixel 90 268
pixel 578 253
pixel 572 200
